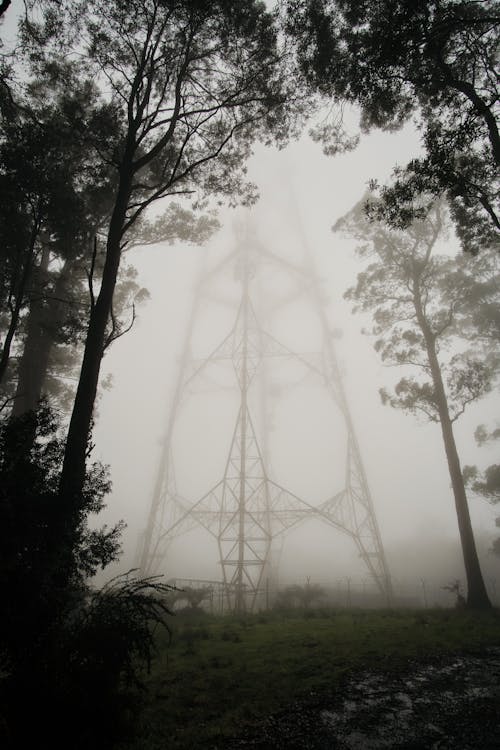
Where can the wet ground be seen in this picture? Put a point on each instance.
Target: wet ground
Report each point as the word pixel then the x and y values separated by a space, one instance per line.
pixel 450 703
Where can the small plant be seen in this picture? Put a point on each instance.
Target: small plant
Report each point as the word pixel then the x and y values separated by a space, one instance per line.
pixel 299 596
pixel 455 588
pixel 230 635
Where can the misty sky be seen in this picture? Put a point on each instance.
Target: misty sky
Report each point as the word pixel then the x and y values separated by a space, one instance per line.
pixel 301 191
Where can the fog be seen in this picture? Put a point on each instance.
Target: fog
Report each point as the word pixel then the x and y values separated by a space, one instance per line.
pixel 302 194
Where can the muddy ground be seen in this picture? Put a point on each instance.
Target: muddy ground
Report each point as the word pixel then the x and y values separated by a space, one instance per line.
pixel 451 702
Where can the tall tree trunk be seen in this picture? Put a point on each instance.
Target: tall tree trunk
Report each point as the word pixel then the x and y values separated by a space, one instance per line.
pixel 4 5
pixel 477 596
pixel 19 297
pixel 43 323
pixel 34 360
pixel 73 470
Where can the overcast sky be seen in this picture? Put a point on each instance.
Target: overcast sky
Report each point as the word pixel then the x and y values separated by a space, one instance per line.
pixel 301 190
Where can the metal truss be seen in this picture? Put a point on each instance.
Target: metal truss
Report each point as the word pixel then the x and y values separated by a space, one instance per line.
pixel 246 509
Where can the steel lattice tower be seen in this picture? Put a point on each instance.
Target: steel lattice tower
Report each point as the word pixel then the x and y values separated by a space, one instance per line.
pixel 246 509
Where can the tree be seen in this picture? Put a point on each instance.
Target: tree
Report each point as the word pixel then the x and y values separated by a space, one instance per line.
pixel 486 483
pixel 59 301
pixel 301 596
pixel 482 326
pixel 4 5
pixel 49 165
pixel 434 61
pixel 66 649
pixel 55 191
pixel 194 83
pixel 418 310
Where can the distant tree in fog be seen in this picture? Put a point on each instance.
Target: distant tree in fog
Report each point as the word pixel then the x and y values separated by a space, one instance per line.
pixel 486 483
pixel 53 191
pixel 420 303
pixel 297 595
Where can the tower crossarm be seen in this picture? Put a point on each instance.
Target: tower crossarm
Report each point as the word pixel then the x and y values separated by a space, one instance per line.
pixel 288 509
pixel 222 352
pixel 206 511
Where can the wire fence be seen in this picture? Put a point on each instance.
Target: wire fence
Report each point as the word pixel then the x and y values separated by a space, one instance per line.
pixel 343 593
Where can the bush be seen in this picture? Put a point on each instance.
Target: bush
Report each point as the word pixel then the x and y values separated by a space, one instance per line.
pixel 69 655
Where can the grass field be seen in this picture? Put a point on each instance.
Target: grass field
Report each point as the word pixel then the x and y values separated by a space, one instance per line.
pixel 218 675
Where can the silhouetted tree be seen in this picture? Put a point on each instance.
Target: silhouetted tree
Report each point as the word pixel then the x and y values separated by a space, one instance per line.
pixel 195 84
pixel 54 190
pixel 4 5
pixel 433 61
pixel 66 650
pixel 418 309
pixel 49 274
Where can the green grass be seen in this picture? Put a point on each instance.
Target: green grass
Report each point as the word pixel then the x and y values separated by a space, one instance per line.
pixel 221 674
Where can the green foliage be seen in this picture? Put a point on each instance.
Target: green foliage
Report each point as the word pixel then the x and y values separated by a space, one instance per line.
pixel 59 194
pixel 193 84
pixel 431 61
pixel 66 650
pixel 486 483
pixel 299 596
pixel 421 302
pixel 59 191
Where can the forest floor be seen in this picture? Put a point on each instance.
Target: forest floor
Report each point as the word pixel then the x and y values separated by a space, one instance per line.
pixel 326 679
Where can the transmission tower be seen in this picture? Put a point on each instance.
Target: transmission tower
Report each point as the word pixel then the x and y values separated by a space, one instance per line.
pixel 246 510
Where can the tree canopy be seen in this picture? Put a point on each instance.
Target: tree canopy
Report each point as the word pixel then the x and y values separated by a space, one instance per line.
pixel 434 62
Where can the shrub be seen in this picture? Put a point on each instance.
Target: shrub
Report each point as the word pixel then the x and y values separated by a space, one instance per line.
pixel 69 654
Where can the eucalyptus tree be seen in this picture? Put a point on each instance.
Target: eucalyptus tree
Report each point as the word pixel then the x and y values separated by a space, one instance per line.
pixel 434 61
pixel 481 294
pixel 55 191
pixel 194 84
pixel 58 200
pixel 486 482
pixel 60 298
pixel 419 312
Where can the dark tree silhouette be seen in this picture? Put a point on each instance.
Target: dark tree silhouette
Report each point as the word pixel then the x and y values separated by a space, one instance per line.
pixel 434 61
pixel 195 84
pixel 66 649
pixel 4 5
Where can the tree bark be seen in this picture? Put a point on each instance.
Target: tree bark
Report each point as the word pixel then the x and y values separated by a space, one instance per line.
pixel 4 5
pixel 74 464
pixel 477 596
pixel 34 360
pixel 19 296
